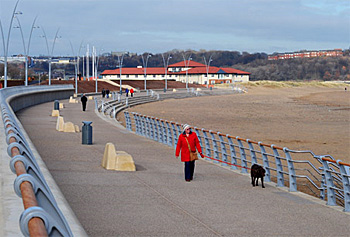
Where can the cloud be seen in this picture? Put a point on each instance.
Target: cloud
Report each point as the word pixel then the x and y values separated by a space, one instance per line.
pixel 159 26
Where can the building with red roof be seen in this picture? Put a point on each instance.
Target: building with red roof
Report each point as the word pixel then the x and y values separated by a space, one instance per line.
pixel 189 71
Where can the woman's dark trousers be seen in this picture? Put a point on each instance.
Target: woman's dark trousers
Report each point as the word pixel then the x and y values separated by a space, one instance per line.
pixel 189 170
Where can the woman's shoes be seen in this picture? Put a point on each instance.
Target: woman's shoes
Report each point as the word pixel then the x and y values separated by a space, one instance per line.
pixel 188 180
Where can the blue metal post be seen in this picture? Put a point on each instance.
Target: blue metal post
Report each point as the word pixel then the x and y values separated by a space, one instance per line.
pixel 148 135
pixel 279 168
pixel 160 132
pixel 215 147
pixel 291 171
pixel 164 132
pixel 232 152
pixel 243 156
pixel 331 201
pixel 223 149
pixel 207 144
pixel 170 136
pixel 155 128
pixel 346 185
pixel 151 127
pixel 265 162
pixel 173 125
pixel 252 152
pixel 143 125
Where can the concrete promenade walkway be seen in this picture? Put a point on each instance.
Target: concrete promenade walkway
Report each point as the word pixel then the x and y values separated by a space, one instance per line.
pixel 155 200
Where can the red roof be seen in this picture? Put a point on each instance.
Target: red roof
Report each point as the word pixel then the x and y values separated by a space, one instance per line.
pixel 188 63
pixel 135 71
pixel 197 68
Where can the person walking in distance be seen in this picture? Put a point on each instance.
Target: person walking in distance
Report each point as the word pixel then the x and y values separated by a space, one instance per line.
pixel 103 93
pixel 83 101
pixel 127 92
pixel 188 142
pixel 132 92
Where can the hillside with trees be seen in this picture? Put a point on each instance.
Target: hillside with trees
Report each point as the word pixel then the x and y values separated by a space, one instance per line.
pixel 299 69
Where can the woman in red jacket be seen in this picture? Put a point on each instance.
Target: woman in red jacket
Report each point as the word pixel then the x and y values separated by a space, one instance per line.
pixel 188 139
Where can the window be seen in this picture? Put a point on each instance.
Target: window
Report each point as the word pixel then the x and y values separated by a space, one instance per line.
pixel 163 75
pixel 118 76
pixel 127 76
pixel 136 76
pixel 154 76
pixel 169 75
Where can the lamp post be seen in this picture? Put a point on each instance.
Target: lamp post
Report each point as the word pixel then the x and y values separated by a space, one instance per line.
pixel 186 67
pixel 78 58
pixel 75 68
pixel 207 66
pixel 120 62
pixel 145 68
pixel 6 47
pixel 48 50
pixel 26 50
pixel 166 71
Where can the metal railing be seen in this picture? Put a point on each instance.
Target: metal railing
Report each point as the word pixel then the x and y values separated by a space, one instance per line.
pixel 41 215
pixel 321 176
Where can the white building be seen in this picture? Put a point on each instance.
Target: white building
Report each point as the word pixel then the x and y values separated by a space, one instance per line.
pixel 193 72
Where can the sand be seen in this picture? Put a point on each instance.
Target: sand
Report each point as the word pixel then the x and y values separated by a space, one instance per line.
pixel 300 118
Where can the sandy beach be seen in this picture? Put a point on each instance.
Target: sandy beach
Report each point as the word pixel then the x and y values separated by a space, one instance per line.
pixel 307 117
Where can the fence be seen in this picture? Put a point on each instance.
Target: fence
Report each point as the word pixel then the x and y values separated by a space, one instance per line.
pixel 41 215
pixel 321 176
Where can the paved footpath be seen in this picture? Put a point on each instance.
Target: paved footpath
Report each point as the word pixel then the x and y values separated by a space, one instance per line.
pixel 155 200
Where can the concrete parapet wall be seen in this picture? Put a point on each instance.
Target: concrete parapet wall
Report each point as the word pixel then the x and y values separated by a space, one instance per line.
pixel 27 99
pixel 12 100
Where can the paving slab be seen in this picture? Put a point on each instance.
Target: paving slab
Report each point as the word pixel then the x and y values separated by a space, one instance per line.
pixel 155 200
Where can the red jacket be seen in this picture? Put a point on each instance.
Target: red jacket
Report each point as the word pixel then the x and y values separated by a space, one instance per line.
pixel 183 146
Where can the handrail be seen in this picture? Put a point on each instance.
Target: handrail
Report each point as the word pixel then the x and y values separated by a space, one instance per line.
pixel 42 215
pixel 36 226
pixel 220 148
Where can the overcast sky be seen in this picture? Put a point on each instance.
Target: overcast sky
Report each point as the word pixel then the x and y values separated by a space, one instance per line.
pixel 158 26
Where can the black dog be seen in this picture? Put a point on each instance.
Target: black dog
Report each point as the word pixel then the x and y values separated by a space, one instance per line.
pixel 257 172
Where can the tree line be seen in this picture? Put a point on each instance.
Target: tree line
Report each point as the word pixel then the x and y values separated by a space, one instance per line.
pixel 299 69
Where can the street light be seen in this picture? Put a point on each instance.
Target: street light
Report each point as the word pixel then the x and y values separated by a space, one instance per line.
pixel 120 62
pixel 48 50
pixel 26 50
pixel 207 66
pixel 75 69
pixel 145 68
pixel 186 66
pixel 6 48
pixel 95 63
pixel 166 71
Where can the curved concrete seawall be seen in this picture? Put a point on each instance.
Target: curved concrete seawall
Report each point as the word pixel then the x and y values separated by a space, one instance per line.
pixel 12 100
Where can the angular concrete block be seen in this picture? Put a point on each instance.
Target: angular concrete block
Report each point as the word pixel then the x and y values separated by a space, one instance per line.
pixel 68 127
pixel 61 106
pixel 72 101
pixel 90 97
pixel 55 113
pixel 77 129
pixel 60 124
pixel 125 162
pixel 109 157
pixel 199 89
pixel 174 90
pixel 120 160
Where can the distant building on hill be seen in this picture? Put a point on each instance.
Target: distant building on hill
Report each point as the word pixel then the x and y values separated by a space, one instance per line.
pixel 191 72
pixel 307 54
